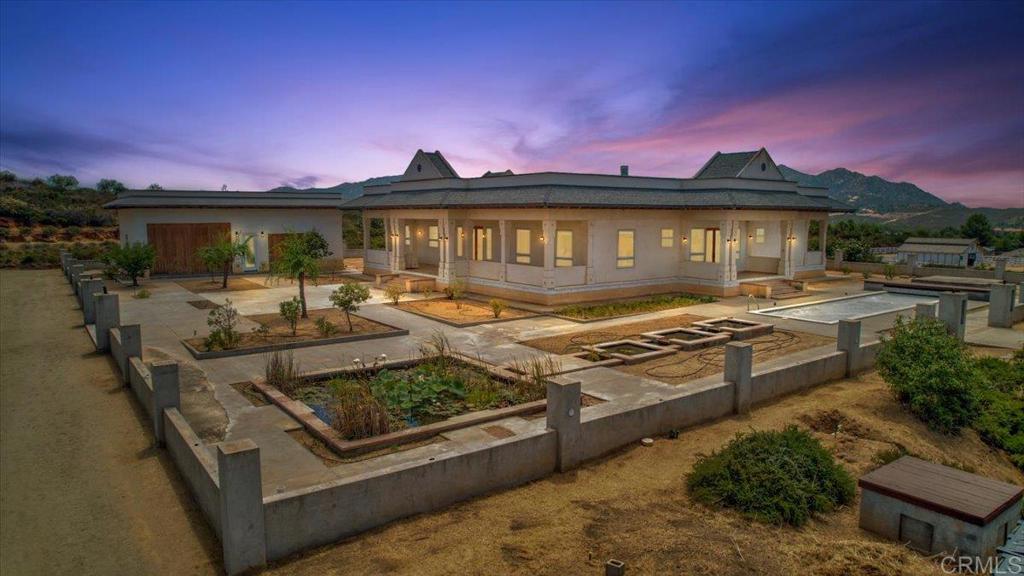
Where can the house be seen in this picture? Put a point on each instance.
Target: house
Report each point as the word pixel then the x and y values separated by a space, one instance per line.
pixel 953 252
pixel 178 222
pixel 559 237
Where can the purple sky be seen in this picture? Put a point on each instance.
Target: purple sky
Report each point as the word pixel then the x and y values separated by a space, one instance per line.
pixel 195 95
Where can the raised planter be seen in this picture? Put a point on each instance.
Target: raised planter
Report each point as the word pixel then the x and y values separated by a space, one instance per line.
pixel 688 339
pixel 629 351
pixel 210 354
pixel 737 328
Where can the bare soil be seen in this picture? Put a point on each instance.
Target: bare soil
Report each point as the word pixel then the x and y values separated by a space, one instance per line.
pixel 460 312
pixel 571 342
pixel 235 283
pixel 684 366
pixel 281 332
pixel 633 506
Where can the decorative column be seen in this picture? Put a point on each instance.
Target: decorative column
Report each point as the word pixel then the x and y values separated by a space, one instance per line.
pixel 786 266
pixel 590 253
pixel 397 245
pixel 446 255
pixel 502 243
pixel 732 246
pixel 548 227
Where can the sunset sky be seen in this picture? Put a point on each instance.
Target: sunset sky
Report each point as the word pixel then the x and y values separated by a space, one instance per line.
pixel 196 95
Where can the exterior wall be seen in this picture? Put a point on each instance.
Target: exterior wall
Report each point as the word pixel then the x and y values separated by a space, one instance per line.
pixel 258 222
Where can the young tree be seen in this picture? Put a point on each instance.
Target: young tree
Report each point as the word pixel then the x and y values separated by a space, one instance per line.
pixel 979 228
pixel 299 259
pixel 348 297
pixel 132 259
pixel 221 255
pixel 290 312
pixel 110 186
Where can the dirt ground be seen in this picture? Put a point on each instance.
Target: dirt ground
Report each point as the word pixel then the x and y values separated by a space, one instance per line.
pixel 281 332
pixel 633 507
pixel 467 312
pixel 82 490
pixel 206 284
pixel 570 343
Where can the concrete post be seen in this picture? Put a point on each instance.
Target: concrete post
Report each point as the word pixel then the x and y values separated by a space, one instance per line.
pixel 563 415
pixel 67 268
pixel 89 288
pixel 924 310
pixel 166 393
pixel 739 365
pixel 837 255
pixel 953 312
pixel 64 256
pixel 243 533
pixel 76 271
pixel 1000 269
pixel 848 340
pixel 131 347
pixel 1000 305
pixel 108 315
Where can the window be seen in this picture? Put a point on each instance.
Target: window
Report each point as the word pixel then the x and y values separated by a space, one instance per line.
pixel 668 236
pixel 763 166
pixel 563 249
pixel 625 257
pixel 483 248
pixel 408 235
pixel 704 245
pixel 432 237
pixel 378 233
pixel 759 236
pixel 522 246
pixel 460 237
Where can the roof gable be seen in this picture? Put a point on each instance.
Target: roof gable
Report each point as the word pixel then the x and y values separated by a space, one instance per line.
pixel 428 166
pixel 756 164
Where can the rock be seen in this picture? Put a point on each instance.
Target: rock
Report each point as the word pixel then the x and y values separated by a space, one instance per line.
pixel 647 442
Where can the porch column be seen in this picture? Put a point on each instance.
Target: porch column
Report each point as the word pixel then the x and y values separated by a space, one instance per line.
pixel 732 249
pixel 502 250
pixel 590 253
pixel 446 256
pixel 397 244
pixel 548 227
pixel 786 265
pixel 366 236
pixel 823 231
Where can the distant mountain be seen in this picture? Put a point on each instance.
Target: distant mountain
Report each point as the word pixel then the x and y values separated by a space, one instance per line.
pixel 348 190
pixel 868 192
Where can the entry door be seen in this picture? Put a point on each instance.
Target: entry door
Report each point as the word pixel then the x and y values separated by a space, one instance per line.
pixel 176 245
pixel 249 261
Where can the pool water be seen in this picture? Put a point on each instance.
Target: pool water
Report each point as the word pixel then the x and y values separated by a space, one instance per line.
pixel 832 311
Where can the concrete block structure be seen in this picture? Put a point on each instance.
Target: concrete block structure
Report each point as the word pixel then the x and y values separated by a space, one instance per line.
pixel 953 312
pixel 108 315
pixel 563 415
pixel 243 537
pixel 936 509
pixel 739 365
pixel 1003 309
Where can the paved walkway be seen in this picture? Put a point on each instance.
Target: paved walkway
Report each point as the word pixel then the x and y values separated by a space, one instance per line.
pixel 81 489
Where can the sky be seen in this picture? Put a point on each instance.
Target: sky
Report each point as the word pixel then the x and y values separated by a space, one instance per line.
pixel 198 95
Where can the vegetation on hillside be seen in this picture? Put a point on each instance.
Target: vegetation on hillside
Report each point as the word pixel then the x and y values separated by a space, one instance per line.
pixel 856 238
pixel 57 201
pixel 778 477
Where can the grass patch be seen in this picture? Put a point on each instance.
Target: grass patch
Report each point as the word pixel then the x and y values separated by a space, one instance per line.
pixel 621 308
pixel 778 477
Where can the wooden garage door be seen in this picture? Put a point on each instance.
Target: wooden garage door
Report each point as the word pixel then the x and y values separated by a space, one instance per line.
pixel 176 245
pixel 274 245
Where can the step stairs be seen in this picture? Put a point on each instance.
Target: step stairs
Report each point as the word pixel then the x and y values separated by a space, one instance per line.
pixel 772 289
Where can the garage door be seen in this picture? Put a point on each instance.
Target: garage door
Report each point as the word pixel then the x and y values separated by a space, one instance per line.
pixel 176 245
pixel 274 242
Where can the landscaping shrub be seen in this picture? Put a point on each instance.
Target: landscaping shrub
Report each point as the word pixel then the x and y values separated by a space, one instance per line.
pixel 5 233
pixel 290 310
pixel 866 275
pixel 497 307
pixel 325 327
pixel 931 373
pixel 650 304
pixel 132 259
pixel 394 292
pixel 455 290
pixel 223 322
pixel 890 271
pixel 141 294
pixel 779 477
pixel 73 231
pixel 48 231
pixel 348 297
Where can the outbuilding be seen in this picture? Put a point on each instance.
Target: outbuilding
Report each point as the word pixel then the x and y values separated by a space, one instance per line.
pixel 951 252
pixel 937 509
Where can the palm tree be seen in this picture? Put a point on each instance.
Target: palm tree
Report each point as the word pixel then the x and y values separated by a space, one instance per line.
pixel 299 259
pixel 222 254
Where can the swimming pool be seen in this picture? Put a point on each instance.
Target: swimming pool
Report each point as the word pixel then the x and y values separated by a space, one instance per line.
pixel 848 307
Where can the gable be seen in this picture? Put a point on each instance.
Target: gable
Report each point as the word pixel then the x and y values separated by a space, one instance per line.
pixel 428 166
pixel 761 166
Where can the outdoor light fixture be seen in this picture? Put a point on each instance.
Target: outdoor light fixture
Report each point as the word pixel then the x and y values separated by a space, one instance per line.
pixel 749 236
pixel 684 238
pixel 541 237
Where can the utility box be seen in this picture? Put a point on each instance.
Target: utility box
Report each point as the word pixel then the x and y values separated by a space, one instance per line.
pixel 937 509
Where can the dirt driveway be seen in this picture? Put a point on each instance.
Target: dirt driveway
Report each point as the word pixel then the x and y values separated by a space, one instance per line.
pixel 81 489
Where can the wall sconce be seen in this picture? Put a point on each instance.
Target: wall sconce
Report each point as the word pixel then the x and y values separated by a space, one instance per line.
pixel 262 232
pixel 750 236
pixel 419 233
pixel 542 238
pixel 445 237
pixel 684 239
pixel 462 234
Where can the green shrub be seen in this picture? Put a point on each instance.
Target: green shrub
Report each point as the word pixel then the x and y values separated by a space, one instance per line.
pixel 223 322
pixel 1000 421
pixel 141 294
pixel 325 327
pixel 394 292
pixel 48 231
pixel 779 477
pixel 290 310
pixel 931 373
pixel 497 307
pixel 348 297
pixel 866 275
pixel 73 231
pixel 890 271
pixel 132 259
pixel 455 290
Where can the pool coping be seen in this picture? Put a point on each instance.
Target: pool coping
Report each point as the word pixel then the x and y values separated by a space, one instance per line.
pixel 766 311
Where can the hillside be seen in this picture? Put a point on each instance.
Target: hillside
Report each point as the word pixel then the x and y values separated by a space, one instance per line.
pixel 951 215
pixel 348 190
pixel 867 192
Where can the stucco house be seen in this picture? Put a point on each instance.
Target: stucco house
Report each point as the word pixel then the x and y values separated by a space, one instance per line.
pixel 957 252
pixel 558 237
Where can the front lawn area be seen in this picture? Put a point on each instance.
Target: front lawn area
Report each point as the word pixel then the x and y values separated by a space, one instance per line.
pixel 460 312
pixel 621 308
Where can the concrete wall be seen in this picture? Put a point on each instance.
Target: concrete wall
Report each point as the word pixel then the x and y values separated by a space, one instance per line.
pixel 797 375
pixel 195 464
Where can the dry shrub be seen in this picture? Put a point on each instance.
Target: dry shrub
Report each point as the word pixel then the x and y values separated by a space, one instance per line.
pixel 282 371
pixel 532 374
pixel 356 413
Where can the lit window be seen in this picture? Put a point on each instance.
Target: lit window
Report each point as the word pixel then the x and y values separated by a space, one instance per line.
pixel 668 237
pixel 697 245
pixel 432 237
pixel 563 249
pixel 408 235
pixel 483 248
pixel 625 257
pixel 459 238
pixel 759 235
pixel 522 246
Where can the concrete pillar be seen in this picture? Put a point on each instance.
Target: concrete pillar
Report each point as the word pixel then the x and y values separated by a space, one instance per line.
pixel 89 289
pixel 838 257
pixel 108 315
pixel 589 279
pixel 549 253
pixel 563 415
pixel 924 310
pixel 502 250
pixel 76 271
pixel 1000 268
pixel 243 533
pixel 131 347
pixel 1000 305
pixel 848 340
pixel 64 257
pixel 739 365
pixel 166 393
pixel 953 312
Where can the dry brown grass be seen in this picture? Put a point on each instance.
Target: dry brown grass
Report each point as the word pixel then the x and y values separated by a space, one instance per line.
pixel 461 312
pixel 633 506
pixel 571 342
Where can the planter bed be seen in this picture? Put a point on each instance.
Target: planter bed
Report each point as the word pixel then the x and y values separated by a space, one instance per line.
pixel 629 351
pixel 688 338
pixel 472 313
pixel 624 308
pixel 280 337
pixel 739 329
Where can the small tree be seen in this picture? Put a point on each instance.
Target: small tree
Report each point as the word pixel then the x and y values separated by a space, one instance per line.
pixel 221 255
pixel 497 307
pixel 300 258
pixel 394 292
pixel 290 313
pixel 348 297
pixel 132 259
pixel 110 186
pixel 62 182
pixel 890 271
pixel 223 322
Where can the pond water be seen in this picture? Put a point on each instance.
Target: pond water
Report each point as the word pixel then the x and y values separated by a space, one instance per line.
pixel 832 311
